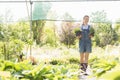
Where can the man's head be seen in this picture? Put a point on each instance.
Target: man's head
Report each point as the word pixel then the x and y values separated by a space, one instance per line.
pixel 85 19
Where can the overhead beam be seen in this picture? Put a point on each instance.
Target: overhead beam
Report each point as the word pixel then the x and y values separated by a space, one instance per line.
pixel 22 1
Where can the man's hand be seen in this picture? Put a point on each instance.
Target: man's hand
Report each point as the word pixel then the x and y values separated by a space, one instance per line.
pixel 79 36
pixel 90 36
pixel 78 33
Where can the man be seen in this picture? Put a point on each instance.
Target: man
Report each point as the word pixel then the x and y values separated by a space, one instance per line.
pixel 85 45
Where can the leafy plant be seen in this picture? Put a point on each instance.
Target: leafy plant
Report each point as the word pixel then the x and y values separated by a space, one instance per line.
pixel 101 66
pixel 24 70
pixel 112 75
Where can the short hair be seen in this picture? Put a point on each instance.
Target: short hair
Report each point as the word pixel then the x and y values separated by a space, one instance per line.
pixel 85 16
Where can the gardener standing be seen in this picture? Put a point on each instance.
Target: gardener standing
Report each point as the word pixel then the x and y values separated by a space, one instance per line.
pixel 85 45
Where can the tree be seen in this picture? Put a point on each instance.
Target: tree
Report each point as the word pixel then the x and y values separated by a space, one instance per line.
pixel 49 36
pixel 39 15
pixel 66 35
pixel 99 16
pixel 117 28
pixel 67 16
pixel 104 33
pixel 5 37
pixel 1 29
pixel 12 36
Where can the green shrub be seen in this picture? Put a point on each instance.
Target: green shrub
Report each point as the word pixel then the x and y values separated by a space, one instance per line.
pixel 74 60
pixel 58 61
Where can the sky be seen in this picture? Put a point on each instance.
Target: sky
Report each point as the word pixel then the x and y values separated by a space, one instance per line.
pixel 79 9
pixel 76 9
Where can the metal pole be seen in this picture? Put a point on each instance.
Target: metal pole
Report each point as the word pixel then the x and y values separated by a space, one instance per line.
pixel 31 25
